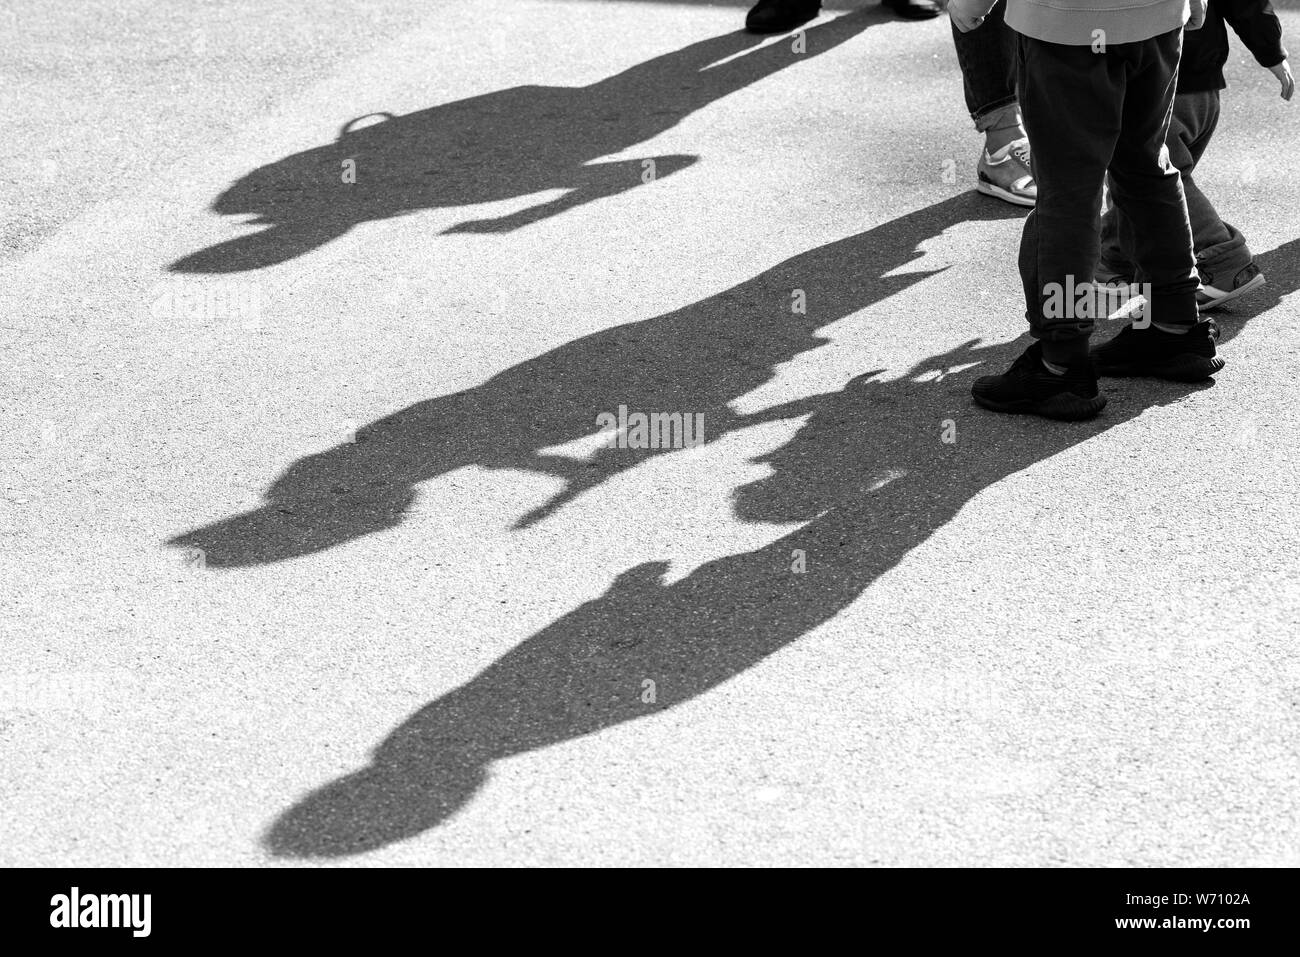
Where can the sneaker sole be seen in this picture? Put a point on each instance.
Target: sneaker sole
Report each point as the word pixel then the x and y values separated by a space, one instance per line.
pixel 773 31
pixel 1185 368
pixel 1064 405
pixel 788 26
pixel 989 189
pixel 1216 301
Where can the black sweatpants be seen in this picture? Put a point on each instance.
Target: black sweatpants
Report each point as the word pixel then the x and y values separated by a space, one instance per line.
pixel 1087 111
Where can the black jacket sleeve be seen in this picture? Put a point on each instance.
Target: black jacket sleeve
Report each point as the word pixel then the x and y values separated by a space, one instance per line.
pixel 1257 25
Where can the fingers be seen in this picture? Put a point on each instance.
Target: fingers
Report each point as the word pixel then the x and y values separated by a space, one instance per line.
pixel 1283 73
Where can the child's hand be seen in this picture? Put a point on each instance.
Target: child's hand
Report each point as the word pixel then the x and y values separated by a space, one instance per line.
pixel 1197 19
pixel 966 15
pixel 1283 73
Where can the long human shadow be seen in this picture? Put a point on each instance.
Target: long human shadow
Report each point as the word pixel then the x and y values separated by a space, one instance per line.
pixel 501 145
pixel 869 473
pixel 696 359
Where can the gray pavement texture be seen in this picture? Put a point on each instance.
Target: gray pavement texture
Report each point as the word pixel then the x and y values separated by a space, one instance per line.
pixel 312 553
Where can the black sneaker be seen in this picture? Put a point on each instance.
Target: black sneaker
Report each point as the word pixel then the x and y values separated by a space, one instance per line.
pixel 913 9
pixel 779 16
pixel 1189 357
pixel 1028 388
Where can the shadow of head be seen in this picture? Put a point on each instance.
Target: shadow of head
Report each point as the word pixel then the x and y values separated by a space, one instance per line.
pixel 505 145
pixel 373 807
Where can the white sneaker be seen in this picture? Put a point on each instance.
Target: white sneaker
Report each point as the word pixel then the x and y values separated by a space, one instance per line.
pixel 1210 296
pixel 1005 174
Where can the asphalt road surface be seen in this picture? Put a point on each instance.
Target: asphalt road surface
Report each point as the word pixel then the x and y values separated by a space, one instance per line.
pixel 313 552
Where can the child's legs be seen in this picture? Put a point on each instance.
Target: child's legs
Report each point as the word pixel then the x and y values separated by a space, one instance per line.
pixel 987 58
pixel 1147 188
pixel 1190 127
pixel 1114 259
pixel 1071 99
pixel 1220 249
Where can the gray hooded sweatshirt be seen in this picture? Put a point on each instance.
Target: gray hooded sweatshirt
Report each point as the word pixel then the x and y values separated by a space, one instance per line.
pixel 1076 22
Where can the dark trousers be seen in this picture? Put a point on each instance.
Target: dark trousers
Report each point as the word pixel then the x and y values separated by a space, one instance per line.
pixel 1221 250
pixel 987 56
pixel 1086 112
